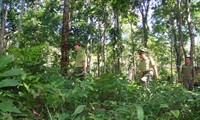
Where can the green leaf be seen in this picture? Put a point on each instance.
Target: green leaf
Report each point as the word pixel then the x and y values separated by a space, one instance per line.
pixel 8 83
pixel 78 110
pixel 176 113
pixel 140 112
pixel 12 72
pixel 4 60
pixel 164 105
pixel 90 87
pixel 63 116
pixel 7 106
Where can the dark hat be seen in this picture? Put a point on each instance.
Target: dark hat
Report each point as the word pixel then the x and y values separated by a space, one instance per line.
pixel 78 43
pixel 187 56
pixel 142 50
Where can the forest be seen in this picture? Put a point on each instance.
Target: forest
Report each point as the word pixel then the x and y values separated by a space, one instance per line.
pixel 37 59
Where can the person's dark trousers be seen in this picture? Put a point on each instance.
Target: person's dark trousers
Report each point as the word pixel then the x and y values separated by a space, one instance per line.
pixel 79 73
pixel 188 84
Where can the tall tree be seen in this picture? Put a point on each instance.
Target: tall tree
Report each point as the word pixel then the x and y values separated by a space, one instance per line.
pixel 144 10
pixel 180 46
pixel 4 9
pixel 190 28
pixel 20 20
pixel 104 39
pixel 173 40
pixel 65 34
pixel 180 24
pixel 116 39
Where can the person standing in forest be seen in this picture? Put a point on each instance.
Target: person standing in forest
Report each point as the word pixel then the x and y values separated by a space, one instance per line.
pixel 186 74
pixel 147 67
pixel 80 61
pixel 197 77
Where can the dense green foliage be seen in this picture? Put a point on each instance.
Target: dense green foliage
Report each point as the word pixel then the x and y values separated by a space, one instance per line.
pixel 51 96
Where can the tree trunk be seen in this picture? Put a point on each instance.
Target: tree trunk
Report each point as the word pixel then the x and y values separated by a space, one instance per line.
pixel 22 8
pixel 99 51
pixel 65 33
pixel 133 61
pixel 180 32
pixel 98 63
pixel 180 45
pixel 115 42
pixel 190 27
pixel 104 40
pixel 104 47
pixel 90 57
pixel 177 48
pixel 117 38
pixel 172 36
pixel 144 9
pixel 4 10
